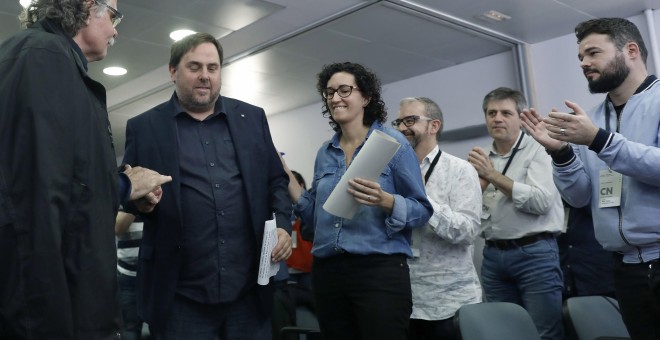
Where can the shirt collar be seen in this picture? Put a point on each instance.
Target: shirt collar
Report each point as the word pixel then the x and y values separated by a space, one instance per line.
pixel 523 143
pixel 646 84
pixel 218 109
pixel 431 155
pixel 334 142
pixel 54 27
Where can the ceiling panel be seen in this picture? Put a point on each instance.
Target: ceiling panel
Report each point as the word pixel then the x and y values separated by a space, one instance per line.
pixel 276 48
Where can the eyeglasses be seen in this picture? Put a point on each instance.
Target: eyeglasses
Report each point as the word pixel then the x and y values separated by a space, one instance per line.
pixel 343 91
pixel 408 121
pixel 115 16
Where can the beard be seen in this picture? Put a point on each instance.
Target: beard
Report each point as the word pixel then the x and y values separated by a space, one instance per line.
pixel 611 77
pixel 188 100
pixel 414 138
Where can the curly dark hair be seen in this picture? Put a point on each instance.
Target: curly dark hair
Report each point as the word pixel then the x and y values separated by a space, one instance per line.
pixel 620 30
pixel 369 85
pixel 71 14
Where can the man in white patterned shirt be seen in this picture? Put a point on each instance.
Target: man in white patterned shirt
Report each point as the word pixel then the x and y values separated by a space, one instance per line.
pixel 442 274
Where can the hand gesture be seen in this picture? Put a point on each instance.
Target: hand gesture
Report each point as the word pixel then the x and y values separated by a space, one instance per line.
pixel 370 193
pixel 479 159
pixel 283 248
pixel 573 128
pixel 144 181
pixel 536 127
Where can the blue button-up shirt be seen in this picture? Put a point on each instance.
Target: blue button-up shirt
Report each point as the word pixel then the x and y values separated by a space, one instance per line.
pixel 371 230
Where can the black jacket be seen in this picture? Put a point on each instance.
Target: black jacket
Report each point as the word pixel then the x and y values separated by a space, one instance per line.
pixel 58 193
pixel 151 141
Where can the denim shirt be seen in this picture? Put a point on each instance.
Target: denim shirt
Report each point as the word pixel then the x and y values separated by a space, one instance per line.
pixel 371 230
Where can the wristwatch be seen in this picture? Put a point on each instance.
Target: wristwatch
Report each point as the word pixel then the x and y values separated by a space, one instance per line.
pixel 564 150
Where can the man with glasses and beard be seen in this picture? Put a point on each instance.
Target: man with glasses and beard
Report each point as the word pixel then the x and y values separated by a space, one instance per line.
pixel 442 275
pixel 609 159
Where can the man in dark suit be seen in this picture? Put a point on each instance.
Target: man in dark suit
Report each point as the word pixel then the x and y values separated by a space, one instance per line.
pixel 199 258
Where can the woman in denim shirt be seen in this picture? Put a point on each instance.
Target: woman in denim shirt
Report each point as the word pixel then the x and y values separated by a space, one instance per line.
pixel 360 276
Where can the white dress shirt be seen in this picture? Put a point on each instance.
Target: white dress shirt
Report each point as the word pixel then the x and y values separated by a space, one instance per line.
pixel 535 206
pixel 443 277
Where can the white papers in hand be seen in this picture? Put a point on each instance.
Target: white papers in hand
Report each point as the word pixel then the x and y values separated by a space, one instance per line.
pixel 266 267
pixel 368 164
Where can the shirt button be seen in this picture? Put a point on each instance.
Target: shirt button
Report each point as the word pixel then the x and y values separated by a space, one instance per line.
pixel 206 142
pixel 222 241
pixel 212 164
pixel 217 186
pixel 570 246
pixel 336 225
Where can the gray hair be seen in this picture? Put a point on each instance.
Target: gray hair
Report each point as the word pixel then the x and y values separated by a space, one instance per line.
pixel 72 15
pixel 431 109
pixel 503 93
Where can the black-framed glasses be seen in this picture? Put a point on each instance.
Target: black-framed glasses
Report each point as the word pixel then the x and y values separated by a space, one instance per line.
pixel 115 16
pixel 343 91
pixel 408 121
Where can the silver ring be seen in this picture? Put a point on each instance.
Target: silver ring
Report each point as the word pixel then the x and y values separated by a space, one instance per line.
pixel 562 131
pixel 368 198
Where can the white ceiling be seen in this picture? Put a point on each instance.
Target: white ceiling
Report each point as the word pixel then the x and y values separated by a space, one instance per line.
pixel 274 49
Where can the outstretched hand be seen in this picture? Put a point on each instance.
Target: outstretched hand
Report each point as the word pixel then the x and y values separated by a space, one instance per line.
pixel 574 128
pixel 537 128
pixel 144 181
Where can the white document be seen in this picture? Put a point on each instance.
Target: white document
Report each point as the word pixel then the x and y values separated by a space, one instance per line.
pixel 266 267
pixel 368 164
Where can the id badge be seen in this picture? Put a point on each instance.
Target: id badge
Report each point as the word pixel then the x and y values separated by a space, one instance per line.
pixel 609 189
pixel 294 239
pixel 485 212
pixel 416 241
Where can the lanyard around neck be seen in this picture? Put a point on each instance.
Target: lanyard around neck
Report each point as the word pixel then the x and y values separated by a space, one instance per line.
pixel 607 116
pixel 513 153
pixel 432 166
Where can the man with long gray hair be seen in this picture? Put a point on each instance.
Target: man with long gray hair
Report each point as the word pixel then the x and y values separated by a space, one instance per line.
pixel 59 189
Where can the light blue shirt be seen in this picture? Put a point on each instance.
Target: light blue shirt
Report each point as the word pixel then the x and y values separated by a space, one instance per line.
pixel 371 230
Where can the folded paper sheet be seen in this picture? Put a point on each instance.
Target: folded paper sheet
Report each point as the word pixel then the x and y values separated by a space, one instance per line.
pixel 368 164
pixel 266 267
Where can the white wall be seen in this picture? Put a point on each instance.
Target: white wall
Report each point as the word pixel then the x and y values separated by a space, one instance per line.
pixel 557 75
pixel 458 90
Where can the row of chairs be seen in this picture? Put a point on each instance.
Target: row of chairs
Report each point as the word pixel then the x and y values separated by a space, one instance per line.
pixel 586 318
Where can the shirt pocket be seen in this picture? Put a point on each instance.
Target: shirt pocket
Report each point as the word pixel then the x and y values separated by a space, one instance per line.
pixel 325 180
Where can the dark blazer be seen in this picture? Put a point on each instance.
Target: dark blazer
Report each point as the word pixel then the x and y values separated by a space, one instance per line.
pixel 151 142
pixel 58 193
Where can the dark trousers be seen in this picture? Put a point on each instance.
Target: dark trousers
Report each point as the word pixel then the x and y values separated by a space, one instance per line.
pixel 362 296
pixel 638 291
pixel 432 329
pixel 132 324
pixel 237 320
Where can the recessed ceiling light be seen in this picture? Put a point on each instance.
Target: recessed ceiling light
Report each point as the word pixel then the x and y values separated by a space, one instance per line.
pixel 114 71
pixel 494 15
pixel 180 34
pixel 24 3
